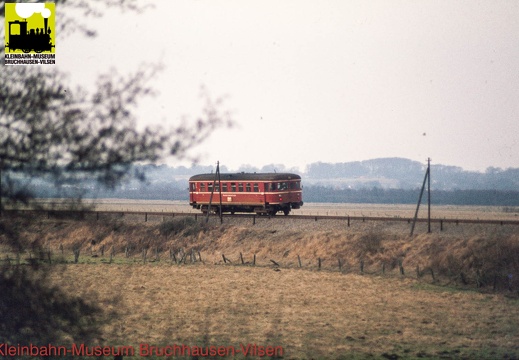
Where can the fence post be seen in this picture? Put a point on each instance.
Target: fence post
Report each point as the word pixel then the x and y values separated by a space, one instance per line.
pixel 319 262
pixel 362 266
pixel 340 265
pixel 299 261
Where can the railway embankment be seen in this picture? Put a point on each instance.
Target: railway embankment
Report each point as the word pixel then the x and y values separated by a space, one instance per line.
pixel 471 255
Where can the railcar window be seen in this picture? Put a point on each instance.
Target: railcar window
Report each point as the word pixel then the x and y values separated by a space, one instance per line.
pixel 233 187
pixel 202 186
pixel 240 187
pixel 282 186
pixel 294 185
pixel 273 187
pixel 193 186
pixel 217 187
pixel 256 187
pixel 224 187
pixel 247 187
pixel 210 187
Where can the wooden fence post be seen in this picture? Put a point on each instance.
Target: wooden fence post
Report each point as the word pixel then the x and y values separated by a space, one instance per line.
pixel 254 260
pixel 340 265
pixel 319 263
pixel 401 267
pixel 362 266
pixel 299 261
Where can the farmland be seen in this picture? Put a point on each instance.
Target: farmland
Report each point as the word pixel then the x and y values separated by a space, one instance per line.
pixel 317 289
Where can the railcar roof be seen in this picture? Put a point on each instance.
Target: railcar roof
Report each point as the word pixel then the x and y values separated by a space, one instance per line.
pixel 246 177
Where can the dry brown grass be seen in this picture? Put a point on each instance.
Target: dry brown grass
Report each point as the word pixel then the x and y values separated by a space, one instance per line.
pixel 312 314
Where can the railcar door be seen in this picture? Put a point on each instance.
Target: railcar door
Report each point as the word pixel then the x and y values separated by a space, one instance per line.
pixel 192 189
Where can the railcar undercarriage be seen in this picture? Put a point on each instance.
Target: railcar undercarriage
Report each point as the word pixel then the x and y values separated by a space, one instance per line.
pixel 269 209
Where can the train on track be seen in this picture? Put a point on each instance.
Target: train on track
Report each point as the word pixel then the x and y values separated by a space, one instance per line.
pixel 261 193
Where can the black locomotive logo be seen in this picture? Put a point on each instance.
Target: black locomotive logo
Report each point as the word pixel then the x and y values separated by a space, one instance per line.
pixel 37 40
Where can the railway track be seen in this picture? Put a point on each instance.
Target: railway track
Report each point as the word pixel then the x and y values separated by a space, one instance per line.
pixel 149 214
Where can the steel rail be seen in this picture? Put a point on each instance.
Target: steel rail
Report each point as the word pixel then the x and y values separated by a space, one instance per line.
pixel 56 212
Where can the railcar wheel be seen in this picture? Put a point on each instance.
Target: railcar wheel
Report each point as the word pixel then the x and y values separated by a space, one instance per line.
pixel 286 211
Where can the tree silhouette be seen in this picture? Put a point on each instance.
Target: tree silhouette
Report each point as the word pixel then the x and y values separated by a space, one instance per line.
pixel 68 135
pixel 50 130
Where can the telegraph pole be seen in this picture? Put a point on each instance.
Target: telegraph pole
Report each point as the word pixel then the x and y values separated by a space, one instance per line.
pixel 428 195
pixel 428 179
pixel 216 176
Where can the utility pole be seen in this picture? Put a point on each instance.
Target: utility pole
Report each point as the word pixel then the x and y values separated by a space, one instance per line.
pixel 428 179
pixel 216 176
pixel 428 195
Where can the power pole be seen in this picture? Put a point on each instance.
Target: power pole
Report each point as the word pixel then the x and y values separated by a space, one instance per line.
pixel 216 176
pixel 428 195
pixel 428 179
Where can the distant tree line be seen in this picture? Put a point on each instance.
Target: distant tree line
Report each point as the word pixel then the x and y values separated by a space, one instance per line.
pixel 178 190
pixel 378 195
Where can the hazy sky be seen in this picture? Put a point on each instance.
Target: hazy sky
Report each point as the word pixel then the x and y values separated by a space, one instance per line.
pixel 330 81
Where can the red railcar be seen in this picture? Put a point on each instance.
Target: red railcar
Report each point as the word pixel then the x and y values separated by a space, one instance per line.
pixel 262 193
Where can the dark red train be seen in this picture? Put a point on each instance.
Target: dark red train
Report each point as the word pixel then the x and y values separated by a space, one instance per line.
pixel 262 193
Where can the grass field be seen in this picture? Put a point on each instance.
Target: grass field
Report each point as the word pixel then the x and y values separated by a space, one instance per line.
pixel 306 312
pixel 309 314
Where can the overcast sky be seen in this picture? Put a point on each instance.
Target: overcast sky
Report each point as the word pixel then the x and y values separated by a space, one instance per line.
pixel 330 81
